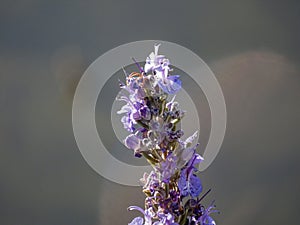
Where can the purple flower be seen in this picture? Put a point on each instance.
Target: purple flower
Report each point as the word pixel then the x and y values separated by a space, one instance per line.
pixel 132 142
pixel 134 110
pixel 188 142
pixel 174 135
pixel 165 219
pixel 159 65
pixel 196 158
pixel 152 120
pixel 188 156
pixel 148 215
pixel 170 85
pixel 128 123
pixel 168 167
pixel 137 221
pixel 157 130
pixel 150 181
pixel 131 113
pixel 155 61
pixel 208 221
pixel 172 105
pixel 189 184
pixel 205 219
pixel 145 112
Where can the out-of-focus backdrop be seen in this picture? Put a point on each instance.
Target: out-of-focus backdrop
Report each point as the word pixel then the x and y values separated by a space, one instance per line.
pixel 252 46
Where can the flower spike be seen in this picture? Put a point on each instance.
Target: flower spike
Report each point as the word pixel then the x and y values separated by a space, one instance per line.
pixel 151 115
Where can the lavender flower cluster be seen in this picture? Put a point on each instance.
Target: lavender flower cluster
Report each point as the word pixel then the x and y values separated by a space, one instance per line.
pixel 172 188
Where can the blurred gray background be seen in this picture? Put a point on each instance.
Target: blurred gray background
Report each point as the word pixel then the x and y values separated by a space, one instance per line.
pixel 45 46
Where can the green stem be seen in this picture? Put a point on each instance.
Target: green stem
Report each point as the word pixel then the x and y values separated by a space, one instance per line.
pixel 155 153
pixel 183 219
pixel 143 124
pixel 167 189
pixel 162 108
pixel 150 159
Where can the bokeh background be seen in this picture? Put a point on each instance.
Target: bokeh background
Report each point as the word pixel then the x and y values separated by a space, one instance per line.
pixel 252 46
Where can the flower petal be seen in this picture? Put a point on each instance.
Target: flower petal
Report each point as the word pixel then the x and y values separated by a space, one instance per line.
pixel 132 142
pixel 137 221
pixel 170 85
pixel 194 186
